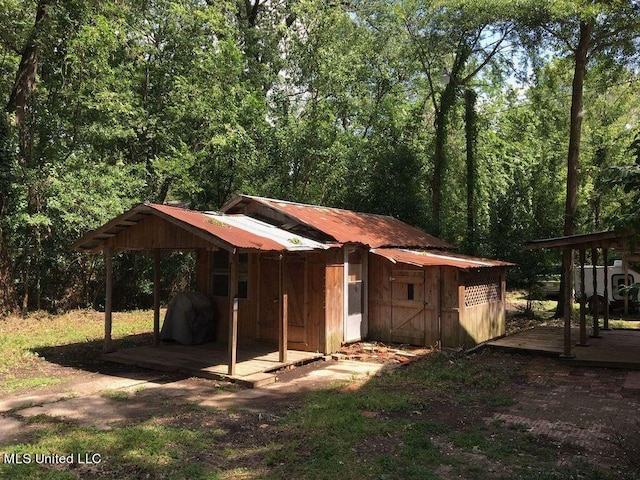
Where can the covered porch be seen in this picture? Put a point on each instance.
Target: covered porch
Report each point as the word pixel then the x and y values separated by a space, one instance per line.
pixel 234 292
pixel 255 366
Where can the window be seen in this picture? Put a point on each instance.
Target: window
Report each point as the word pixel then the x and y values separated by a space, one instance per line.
pixel 243 275
pixel 410 292
pixel 221 274
pixel 618 281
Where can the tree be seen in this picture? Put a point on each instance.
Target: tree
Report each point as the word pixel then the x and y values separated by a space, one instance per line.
pixel 587 30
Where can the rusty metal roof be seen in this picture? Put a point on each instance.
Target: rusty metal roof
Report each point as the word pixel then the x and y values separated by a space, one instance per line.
pixel 346 226
pixel 425 259
pixel 227 231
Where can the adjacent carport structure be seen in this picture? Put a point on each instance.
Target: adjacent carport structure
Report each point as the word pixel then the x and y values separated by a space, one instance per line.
pixel 595 242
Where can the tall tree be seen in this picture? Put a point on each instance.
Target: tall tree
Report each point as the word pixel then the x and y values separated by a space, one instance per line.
pixel 587 30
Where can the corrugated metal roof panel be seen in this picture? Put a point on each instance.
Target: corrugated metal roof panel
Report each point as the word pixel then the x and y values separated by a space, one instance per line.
pixel 234 231
pixel 230 234
pixel 424 259
pixel 348 226
pixel 286 240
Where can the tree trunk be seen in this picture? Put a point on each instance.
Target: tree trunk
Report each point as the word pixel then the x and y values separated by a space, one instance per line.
pixel 23 87
pixel 8 299
pixel 471 132
pixel 573 157
pixel 25 81
pixel 447 102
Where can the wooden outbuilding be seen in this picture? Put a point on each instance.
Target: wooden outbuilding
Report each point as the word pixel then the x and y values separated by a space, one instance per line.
pixel 311 278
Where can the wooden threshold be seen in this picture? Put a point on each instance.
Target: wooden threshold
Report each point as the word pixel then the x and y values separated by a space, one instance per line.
pixel 255 367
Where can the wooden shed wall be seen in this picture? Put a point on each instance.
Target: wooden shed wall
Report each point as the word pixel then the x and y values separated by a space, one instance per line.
pixel 451 304
pixel 439 292
pixel 484 318
pixel 395 315
pixel 334 301
pixel 258 314
pixel 247 326
pixel 156 233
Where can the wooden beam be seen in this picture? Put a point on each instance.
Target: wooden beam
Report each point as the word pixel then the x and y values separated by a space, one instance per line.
pixel 625 265
pixel 595 301
pixel 108 300
pixel 233 314
pixel 583 303
pixel 233 338
pixel 568 307
pixel 156 297
pixel 282 315
pixel 284 324
pixel 605 260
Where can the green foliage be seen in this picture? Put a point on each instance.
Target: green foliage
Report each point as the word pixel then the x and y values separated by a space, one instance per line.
pixel 330 103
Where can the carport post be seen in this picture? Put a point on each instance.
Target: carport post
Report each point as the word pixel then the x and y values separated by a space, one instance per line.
pixel 583 305
pixel 156 297
pixel 595 301
pixel 567 254
pixel 233 314
pixel 605 260
pixel 108 299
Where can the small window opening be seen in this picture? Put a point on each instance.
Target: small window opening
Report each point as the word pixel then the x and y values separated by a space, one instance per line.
pixel 410 292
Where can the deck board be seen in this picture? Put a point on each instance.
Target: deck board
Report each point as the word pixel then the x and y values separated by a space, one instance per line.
pixel 254 366
pixel 615 348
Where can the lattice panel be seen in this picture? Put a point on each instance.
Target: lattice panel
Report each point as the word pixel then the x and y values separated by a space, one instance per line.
pixel 481 288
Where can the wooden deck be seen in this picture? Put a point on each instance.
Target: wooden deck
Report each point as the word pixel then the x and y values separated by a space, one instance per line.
pixel 615 348
pixel 254 367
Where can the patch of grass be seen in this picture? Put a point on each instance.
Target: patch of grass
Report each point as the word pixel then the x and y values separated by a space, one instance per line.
pixel 10 383
pixel 147 450
pixel 116 395
pixel 25 342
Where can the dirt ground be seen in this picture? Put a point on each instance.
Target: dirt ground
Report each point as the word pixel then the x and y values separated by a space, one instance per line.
pixel 586 413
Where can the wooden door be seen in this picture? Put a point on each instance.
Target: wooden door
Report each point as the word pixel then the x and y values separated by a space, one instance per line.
pixel 407 306
pixel 294 284
pixel 294 281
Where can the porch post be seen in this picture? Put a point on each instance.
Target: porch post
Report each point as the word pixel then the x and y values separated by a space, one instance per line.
pixel 605 260
pixel 625 266
pixel 156 297
pixel 233 314
pixel 283 314
pixel 583 305
pixel 595 301
pixel 108 299
pixel 568 262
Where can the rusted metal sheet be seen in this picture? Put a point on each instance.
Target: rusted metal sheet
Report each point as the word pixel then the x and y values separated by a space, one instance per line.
pixel 424 259
pixel 346 226
pixel 226 231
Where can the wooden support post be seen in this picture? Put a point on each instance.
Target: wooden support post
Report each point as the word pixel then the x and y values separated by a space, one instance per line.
pixel 156 297
pixel 568 303
pixel 282 314
pixel 233 338
pixel 605 260
pixel 233 315
pixel 583 303
pixel 625 266
pixel 108 299
pixel 283 328
pixel 595 301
